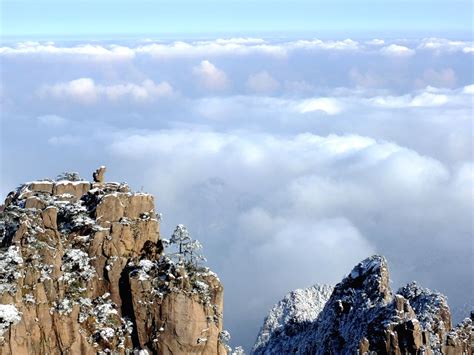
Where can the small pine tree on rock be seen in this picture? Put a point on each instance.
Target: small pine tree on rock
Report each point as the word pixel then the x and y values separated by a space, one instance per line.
pixel 188 249
pixel 70 176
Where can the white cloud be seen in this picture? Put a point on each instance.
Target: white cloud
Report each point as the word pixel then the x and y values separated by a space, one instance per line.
pixel 376 42
pixel 262 83
pixel 469 89
pixel 240 40
pixel 396 50
pixel 389 172
pixel 86 91
pixel 146 91
pixel 427 99
pixel 82 90
pixel 89 51
pixel 224 47
pixel 330 106
pixel 210 77
pixel 347 44
pixel 440 45
pixel 424 99
pixel 210 48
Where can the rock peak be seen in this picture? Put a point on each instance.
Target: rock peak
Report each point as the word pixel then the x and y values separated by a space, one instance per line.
pixel 363 315
pixel 375 264
pixel 99 175
pixel 82 271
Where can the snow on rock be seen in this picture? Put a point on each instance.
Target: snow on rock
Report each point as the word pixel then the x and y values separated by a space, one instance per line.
pixel 76 264
pixel 144 267
pixel 10 262
pixel 431 309
pixel 295 309
pixel 83 264
pixel 363 315
pixel 9 314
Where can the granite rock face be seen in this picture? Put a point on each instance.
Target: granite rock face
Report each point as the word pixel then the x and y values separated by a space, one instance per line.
pixel 364 316
pixel 82 271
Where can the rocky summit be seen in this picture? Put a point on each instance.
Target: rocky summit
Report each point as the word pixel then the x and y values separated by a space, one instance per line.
pixel 82 271
pixel 363 315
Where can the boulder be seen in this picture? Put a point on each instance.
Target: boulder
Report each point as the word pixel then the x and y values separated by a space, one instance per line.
pixel 75 188
pixel 99 175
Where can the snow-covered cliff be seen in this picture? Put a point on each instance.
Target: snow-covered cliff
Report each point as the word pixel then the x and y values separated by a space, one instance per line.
pixel 362 315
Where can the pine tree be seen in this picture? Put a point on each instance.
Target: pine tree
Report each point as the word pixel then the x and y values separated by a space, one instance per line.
pixel 187 248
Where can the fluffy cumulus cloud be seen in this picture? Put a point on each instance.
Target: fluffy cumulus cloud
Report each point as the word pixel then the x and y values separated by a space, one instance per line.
pixel 291 160
pixel 468 89
pixel 397 51
pixel 262 83
pixel 440 45
pixel 347 44
pixel 376 42
pixel 86 91
pixel 210 77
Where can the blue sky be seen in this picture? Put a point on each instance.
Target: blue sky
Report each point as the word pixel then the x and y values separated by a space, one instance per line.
pixel 29 18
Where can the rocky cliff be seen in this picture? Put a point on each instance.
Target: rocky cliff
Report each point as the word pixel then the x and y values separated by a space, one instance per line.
pixel 363 315
pixel 82 271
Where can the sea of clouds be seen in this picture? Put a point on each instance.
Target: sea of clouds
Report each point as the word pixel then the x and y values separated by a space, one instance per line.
pixel 290 160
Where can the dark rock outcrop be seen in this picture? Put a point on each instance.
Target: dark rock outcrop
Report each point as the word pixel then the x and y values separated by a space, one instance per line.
pixel 364 316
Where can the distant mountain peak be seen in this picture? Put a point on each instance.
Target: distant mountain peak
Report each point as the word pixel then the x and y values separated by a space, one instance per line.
pixel 362 315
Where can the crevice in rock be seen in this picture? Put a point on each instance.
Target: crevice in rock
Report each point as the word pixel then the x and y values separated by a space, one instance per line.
pixel 127 303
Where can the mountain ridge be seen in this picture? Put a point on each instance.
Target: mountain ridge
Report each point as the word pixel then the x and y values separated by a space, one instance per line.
pixel 363 315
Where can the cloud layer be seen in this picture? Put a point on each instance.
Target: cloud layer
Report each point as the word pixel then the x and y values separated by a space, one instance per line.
pixel 232 46
pixel 290 160
pixel 86 91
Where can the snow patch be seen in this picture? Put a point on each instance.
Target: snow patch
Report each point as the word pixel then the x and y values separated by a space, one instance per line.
pixel 9 315
pixel 10 262
pixel 297 307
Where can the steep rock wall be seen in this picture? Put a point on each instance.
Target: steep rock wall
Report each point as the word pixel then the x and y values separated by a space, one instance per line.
pixel 82 270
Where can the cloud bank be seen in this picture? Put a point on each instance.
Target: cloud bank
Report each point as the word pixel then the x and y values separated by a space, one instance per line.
pixel 291 160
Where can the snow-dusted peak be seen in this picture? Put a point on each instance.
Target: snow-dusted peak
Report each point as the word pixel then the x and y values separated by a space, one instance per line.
pixel 362 315
pixel 371 277
pixel 297 307
pixel 372 265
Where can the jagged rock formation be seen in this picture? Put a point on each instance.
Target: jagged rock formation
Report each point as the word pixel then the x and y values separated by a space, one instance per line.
pixel 364 316
pixel 82 271
pixel 297 310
